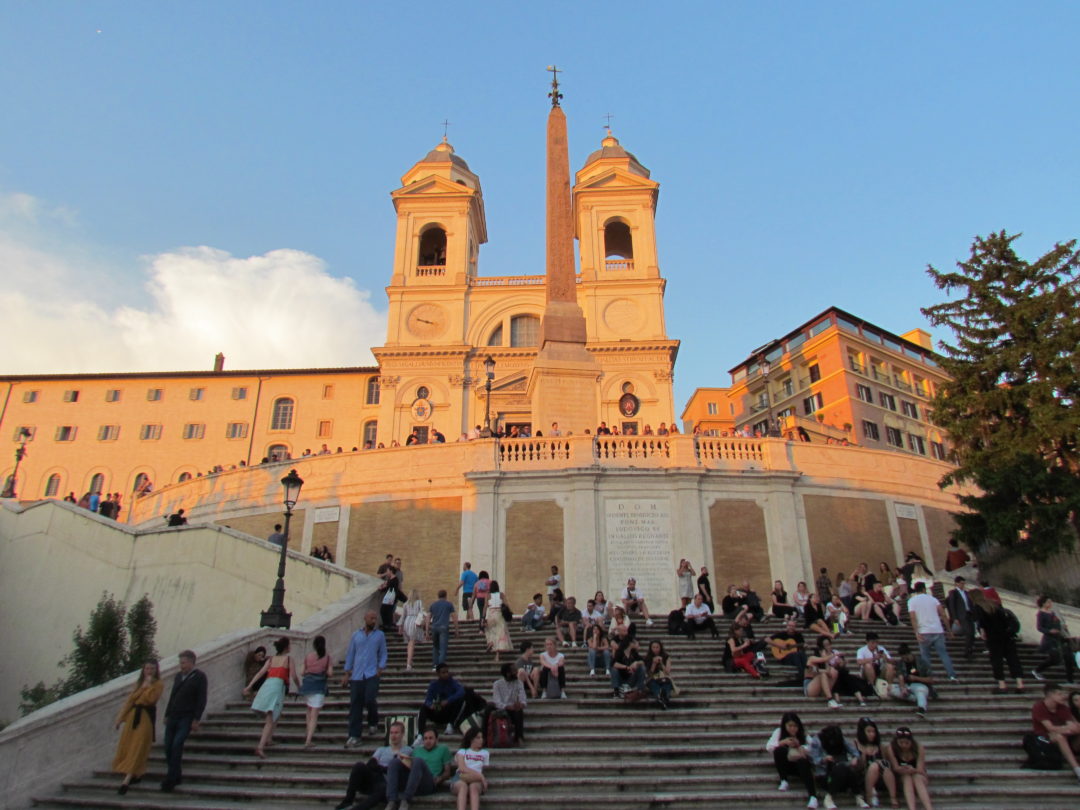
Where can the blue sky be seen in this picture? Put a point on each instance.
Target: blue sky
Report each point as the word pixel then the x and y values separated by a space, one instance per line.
pixel 179 178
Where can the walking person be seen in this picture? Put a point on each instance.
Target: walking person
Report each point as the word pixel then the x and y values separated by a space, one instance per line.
pixel 999 632
pixel 465 584
pixel 279 671
pixel 497 625
pixel 440 613
pixel 1055 640
pixel 928 620
pixel 138 718
pixel 364 664
pixel 318 669
pixel 412 625
pixel 183 713
pixel 962 614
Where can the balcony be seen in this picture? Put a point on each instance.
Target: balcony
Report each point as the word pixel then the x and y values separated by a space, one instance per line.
pixel 880 376
pixel 618 264
pixel 903 386
pixel 857 367
pixel 430 270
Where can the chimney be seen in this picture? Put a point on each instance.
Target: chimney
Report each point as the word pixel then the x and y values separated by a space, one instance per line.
pixel 219 362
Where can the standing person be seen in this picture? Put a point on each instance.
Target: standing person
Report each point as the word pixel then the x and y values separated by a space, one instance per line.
pixel 439 615
pixel 685 575
pixel 138 718
pixel 874 764
pixel 497 627
pixel 907 759
pixel 364 664
pixel 279 670
pixel 471 759
pixel 791 756
pixel 928 621
pixel 183 713
pixel 1051 717
pixel 554 581
pixel 823 585
pixel 1055 640
pixel 999 632
pixel 412 625
pixel 277 537
pixel 318 669
pixel 481 589
pixel 962 614
pixel 428 767
pixel 465 584
pixel 704 587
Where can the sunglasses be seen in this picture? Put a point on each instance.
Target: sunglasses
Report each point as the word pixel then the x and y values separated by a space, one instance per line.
pixel 903 732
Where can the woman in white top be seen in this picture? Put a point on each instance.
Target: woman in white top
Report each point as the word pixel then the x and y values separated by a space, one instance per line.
pixel 602 604
pixel 412 624
pixel 471 759
pixel 685 573
pixel 497 629
pixel 553 663
pixel 800 597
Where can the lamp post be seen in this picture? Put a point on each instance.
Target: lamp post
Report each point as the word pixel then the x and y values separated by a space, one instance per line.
pixel 489 371
pixel 275 615
pixel 770 428
pixel 20 454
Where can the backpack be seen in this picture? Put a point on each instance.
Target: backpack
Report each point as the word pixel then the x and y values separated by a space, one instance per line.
pixel 500 731
pixel 675 623
pixel 1043 755
pixel 1012 623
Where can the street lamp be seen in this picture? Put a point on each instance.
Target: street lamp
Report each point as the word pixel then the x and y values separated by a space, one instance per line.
pixel 489 370
pixel 275 615
pixel 770 428
pixel 20 454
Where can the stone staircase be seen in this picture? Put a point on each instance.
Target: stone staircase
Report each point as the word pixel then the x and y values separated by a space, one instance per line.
pixel 707 751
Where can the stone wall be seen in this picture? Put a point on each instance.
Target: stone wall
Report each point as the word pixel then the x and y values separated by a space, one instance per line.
pixel 534 543
pixel 740 546
pixel 846 531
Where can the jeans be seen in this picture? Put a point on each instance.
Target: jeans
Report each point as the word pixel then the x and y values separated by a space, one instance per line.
pixel 532 620
pixel 1002 650
pixel 440 641
pixel 621 676
pixel 936 642
pixel 176 733
pixel 660 688
pixel 593 656
pixel 363 692
pixel 417 780
pixel 918 693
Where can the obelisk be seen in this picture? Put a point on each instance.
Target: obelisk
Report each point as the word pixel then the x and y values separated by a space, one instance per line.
pixel 564 384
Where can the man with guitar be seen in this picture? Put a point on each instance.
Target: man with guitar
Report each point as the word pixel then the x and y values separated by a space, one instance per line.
pixel 788 647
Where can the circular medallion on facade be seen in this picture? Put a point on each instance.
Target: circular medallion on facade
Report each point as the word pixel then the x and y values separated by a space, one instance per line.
pixel 421 410
pixel 628 405
pixel 623 316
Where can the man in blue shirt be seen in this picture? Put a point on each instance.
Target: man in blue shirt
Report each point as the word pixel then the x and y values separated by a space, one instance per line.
pixel 364 663
pixel 443 701
pixel 465 585
pixel 441 610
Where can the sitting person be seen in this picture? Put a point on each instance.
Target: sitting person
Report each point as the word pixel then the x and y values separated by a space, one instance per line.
pixel 819 678
pixel 697 618
pixel 658 673
pixel 444 700
pixel 733 603
pixel 836 615
pixel 508 695
pixel 907 759
pixel 801 596
pixel 874 660
pixel 552 662
pixel 369 776
pixel 533 617
pixel 877 605
pixel 913 680
pixel 568 620
pixel 471 759
pixel 558 602
pixel 752 602
pixel 739 651
pixel 844 683
pixel 422 772
pixel 835 760
pixel 633 599
pixel 790 754
pixel 1051 718
pixel 621 626
pixel 627 668
pixel 599 649
pixel 781 607
pixel 873 763
pixel 603 606
pixel 593 615
pixel 789 647
pixel 528 671
pixel 813 614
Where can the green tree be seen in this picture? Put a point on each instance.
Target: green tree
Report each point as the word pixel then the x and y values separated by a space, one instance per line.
pixel 141 628
pixel 1011 407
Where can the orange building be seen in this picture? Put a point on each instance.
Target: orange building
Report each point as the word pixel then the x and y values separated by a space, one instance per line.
pixel 835 378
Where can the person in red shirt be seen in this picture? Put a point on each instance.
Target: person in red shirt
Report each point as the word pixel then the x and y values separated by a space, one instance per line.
pixel 1051 718
pixel 989 592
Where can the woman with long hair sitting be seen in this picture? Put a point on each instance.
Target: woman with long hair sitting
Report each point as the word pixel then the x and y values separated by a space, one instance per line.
pixel 790 755
pixel 908 761
pixel 658 672
pixel 740 652
pixel 874 763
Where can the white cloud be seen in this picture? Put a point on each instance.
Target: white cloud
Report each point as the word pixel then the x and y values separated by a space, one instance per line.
pixel 278 310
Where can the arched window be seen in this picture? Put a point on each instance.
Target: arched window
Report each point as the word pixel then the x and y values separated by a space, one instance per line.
pixel 277 452
pixel 184 476
pixel 524 330
pixel 97 483
pixel 52 486
pixel 617 241
pixel 432 250
pixel 283 414
pixel 141 480
pixel 372 391
pixel 496 336
pixel 371 430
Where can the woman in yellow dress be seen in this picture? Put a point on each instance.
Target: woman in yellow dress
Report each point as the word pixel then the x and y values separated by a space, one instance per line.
pixel 138 718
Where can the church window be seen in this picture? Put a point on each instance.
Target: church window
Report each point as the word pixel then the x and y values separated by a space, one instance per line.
pixel 496 338
pixel 52 486
pixel 618 246
pixel 371 430
pixel 432 257
pixel 97 483
pixel 277 452
pixel 372 391
pixel 184 476
pixel 524 330
pixel 282 416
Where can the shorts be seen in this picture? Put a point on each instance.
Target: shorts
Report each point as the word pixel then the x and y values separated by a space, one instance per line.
pixel 806 686
pixel 466 598
pixel 315 701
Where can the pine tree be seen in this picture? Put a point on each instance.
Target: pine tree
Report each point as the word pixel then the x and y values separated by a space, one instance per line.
pixel 1011 407
pixel 141 628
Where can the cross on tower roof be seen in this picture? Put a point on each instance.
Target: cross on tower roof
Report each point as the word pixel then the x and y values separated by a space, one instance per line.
pixel 607 118
pixel 445 126
pixel 555 95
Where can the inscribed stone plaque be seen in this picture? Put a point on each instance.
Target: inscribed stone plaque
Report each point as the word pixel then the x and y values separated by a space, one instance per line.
pixel 906 510
pixel 327 514
pixel 639 546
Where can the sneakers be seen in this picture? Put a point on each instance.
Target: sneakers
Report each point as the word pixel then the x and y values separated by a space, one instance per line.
pixel 449 728
pixel 833 704
pixel 566 643
pixel 592 673
pixel 391 806
pixel 783 785
pixel 607 671
pixel 829 803
pixel 859 800
pixel 403 805
pixel 649 622
pixel 874 800
pixel 1037 675
pixel 352 742
pixel 812 804
pixel 563 695
pixel 919 710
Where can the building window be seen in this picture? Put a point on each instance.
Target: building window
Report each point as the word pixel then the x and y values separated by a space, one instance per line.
pixel 71 396
pixel 150 432
pixel 108 433
pixel 496 336
pixel 52 486
pixel 618 243
pixel 65 433
pixel 887 400
pixel 713 409
pixel 328 392
pixel 864 393
pixel 922 389
pixel 432 251
pixel 937 450
pixel 788 386
pixel 184 476
pixel 524 330
pixel 194 430
pixel 277 452
pixel 112 395
pixel 916 444
pixel 97 483
pixel 154 394
pixel 30 397
pixel 141 480
pixel 815 373
pixel 371 430
pixel 820 327
pixel 372 391
pixel 236 430
pixel 196 394
pixel 325 430
pixel 239 393
pixel 812 403
pixel 894 437
pixel 282 417
pixel 870 430
pixel 24 433
pixel 909 409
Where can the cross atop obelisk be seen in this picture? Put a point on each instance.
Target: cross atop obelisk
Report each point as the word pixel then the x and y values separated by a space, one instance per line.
pixel 555 95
